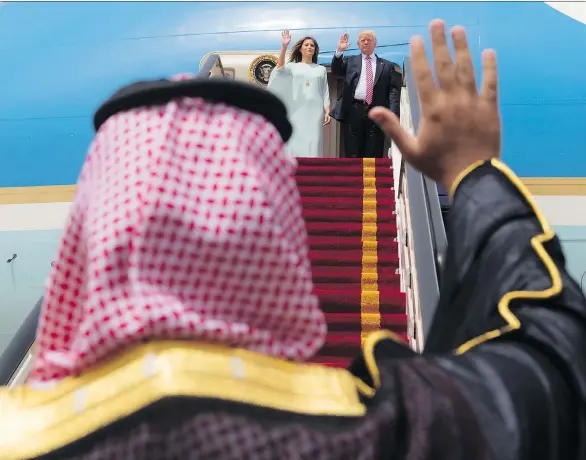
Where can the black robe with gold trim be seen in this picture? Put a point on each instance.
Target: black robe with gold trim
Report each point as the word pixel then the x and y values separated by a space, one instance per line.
pixel 503 375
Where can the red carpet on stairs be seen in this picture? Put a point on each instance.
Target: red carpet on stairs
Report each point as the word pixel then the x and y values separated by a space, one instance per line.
pixel 349 213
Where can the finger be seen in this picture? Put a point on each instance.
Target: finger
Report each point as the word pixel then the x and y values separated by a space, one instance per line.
pixel 442 60
pixel 391 126
pixel 422 71
pixel 464 67
pixel 489 76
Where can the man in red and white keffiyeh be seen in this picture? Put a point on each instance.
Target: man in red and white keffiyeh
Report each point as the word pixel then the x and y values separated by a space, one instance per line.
pixel 187 224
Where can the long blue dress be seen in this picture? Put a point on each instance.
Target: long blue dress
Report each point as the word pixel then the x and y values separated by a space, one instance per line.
pixel 304 90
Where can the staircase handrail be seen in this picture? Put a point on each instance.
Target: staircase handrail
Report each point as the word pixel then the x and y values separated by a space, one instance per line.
pixel 18 348
pixel 427 242
pixel 211 67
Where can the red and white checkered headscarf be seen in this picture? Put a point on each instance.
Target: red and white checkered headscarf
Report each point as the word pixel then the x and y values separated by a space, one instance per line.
pixel 187 224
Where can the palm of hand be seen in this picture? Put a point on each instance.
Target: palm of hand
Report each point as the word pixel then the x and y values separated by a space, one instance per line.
pixel 459 125
pixel 468 119
pixel 286 38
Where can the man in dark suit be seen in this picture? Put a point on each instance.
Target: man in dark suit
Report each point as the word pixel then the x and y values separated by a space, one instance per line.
pixel 369 81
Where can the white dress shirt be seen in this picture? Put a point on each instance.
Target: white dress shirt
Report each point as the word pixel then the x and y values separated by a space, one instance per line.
pixel 360 92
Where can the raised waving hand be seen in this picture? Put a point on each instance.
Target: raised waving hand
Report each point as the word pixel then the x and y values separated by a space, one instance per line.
pixel 343 43
pixel 459 124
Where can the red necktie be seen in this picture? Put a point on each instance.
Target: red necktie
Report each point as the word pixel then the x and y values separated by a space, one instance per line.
pixel 369 81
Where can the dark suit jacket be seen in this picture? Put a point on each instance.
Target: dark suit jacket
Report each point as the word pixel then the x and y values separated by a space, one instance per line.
pixel 388 81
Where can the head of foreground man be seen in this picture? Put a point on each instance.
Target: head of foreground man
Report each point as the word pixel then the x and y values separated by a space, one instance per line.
pixel 186 201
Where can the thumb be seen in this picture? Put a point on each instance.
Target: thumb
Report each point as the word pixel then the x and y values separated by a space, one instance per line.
pixel 391 126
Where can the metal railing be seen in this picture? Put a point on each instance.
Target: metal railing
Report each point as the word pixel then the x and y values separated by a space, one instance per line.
pixel 422 236
pixel 19 347
pixel 212 67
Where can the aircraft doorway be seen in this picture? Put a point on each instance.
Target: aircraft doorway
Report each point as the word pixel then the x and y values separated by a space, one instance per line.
pixel 332 132
pixel 249 65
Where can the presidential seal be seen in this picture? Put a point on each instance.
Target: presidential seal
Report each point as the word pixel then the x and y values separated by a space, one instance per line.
pixel 261 68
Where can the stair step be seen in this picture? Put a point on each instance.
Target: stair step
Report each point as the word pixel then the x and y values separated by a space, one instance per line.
pixel 348 301
pixel 324 258
pixel 345 171
pixel 391 286
pixel 339 161
pixel 350 229
pixel 348 204
pixel 332 361
pixel 320 191
pixel 317 242
pixel 342 181
pixel 342 215
pixel 341 275
pixel 349 322
pixel 340 343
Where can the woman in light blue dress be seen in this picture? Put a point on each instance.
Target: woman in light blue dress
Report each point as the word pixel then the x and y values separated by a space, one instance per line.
pixel 302 85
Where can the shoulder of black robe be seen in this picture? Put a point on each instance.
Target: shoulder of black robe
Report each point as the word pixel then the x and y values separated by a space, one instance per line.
pixel 514 318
